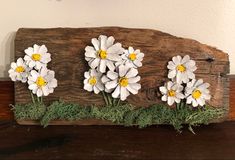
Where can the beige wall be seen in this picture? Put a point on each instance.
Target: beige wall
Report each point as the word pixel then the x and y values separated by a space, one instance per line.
pixel 208 21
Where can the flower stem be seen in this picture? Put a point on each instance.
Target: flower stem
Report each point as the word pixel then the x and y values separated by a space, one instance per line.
pixel 105 98
pixel 109 100
pixel 32 98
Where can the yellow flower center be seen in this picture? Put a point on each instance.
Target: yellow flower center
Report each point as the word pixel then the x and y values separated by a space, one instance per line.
pixel 36 57
pixel 102 54
pixel 123 81
pixel 171 93
pixel 196 94
pixel 132 56
pixel 20 69
pixel 181 68
pixel 92 81
pixel 41 82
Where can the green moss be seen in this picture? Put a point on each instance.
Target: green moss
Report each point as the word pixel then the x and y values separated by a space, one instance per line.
pixel 124 114
pixel 29 111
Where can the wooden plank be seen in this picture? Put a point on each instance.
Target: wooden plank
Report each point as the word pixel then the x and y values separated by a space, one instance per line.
pixel 232 98
pixel 213 142
pixel 6 98
pixel 67 48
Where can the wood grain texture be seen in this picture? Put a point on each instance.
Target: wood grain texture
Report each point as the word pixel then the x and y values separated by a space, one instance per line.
pixel 232 98
pixel 67 48
pixel 213 142
pixel 6 98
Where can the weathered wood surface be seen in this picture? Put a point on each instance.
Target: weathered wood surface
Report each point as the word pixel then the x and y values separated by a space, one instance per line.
pixel 67 48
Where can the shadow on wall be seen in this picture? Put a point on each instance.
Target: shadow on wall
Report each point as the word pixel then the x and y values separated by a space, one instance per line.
pixel 8 44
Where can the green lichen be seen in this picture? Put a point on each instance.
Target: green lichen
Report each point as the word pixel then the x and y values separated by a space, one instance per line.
pixel 124 114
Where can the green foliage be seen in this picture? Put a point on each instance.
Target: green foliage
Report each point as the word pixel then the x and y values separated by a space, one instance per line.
pixel 123 114
pixel 32 111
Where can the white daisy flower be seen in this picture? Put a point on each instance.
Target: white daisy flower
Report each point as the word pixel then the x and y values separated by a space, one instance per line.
pixel 181 69
pixel 123 82
pixel 92 81
pixel 172 92
pixel 103 53
pixel 42 82
pixel 197 92
pixel 131 58
pixel 37 56
pixel 19 71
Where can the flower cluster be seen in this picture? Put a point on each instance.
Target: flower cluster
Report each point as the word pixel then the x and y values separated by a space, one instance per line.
pixel 33 70
pixel 112 68
pixel 183 84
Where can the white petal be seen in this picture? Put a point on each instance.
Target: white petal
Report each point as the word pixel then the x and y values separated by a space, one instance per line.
pixel 171 65
pixel 96 90
pixel 110 41
pixel 132 73
pixel 172 74
pixel 95 43
pixel 176 60
pixel 46 58
pixel 131 49
pixel 169 85
pixel 103 40
pixel 36 48
pixel 86 75
pixel 112 75
pixel 111 84
pixel 132 90
pixel 94 63
pixel 170 101
pixel 140 56
pixel 91 54
pixel 136 86
pixel 39 92
pixel 45 91
pixel 201 101
pixel 100 86
pixel 113 57
pixel 123 93
pixel 185 59
pixel 195 104
pixel 53 83
pixel 33 86
pixel 122 70
pixel 29 51
pixel 133 79
pixel 110 65
pixel 137 63
pixel 115 48
pixel 32 64
pixel 43 49
pixel 190 74
pixel 199 82
pixel 164 98
pixel 163 89
pixel 116 92
pixel 102 67
pixel 19 62
pixel 105 79
pixel 88 87
pixel 189 100
pixel 13 65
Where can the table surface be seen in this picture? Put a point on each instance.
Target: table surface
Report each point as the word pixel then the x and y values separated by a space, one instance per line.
pixel 212 142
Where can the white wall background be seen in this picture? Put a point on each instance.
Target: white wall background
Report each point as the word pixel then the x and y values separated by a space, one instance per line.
pixel 208 21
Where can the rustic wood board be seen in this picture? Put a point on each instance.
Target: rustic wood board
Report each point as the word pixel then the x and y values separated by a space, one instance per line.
pixel 67 48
